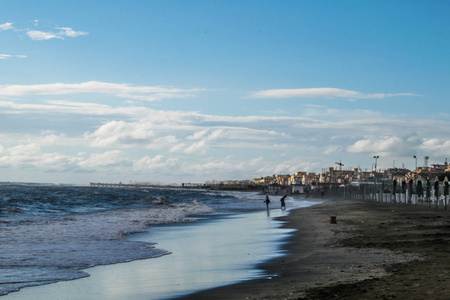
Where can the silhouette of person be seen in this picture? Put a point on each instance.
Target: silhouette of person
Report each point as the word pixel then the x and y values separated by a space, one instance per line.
pixel 267 201
pixel 283 205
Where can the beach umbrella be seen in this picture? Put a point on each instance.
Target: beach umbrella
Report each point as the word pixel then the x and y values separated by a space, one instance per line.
pixel 445 186
pixel 419 189
pixel 394 188
pixel 436 190
pixel 410 189
pixel 428 192
pixel 436 187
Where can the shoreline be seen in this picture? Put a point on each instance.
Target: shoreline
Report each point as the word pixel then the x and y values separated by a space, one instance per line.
pixel 214 251
pixel 375 251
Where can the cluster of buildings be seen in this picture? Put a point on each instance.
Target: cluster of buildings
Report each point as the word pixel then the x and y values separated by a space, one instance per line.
pixel 302 181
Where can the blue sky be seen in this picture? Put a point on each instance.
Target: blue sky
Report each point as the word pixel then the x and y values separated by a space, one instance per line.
pixel 192 91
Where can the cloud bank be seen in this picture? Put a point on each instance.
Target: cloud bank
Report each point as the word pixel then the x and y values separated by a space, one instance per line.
pixel 146 142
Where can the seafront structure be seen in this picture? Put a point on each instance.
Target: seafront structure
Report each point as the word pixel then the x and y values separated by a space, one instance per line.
pixel 425 183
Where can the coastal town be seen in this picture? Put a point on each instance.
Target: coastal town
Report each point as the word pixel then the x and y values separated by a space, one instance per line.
pixel 425 181
pixel 336 176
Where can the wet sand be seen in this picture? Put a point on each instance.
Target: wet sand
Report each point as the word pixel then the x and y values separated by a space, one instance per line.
pixel 375 251
pixel 209 253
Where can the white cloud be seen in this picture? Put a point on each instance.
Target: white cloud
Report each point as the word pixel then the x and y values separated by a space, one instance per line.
pixel 32 156
pixel 6 26
pixel 67 107
pixel 149 93
pixel 164 142
pixel 186 144
pixel 436 147
pixel 321 93
pixel 159 162
pixel 386 146
pixel 122 133
pixel 181 133
pixel 67 31
pixel 42 35
pixel 38 35
pixel 114 158
pixel 24 154
pixel 5 56
pixel 24 150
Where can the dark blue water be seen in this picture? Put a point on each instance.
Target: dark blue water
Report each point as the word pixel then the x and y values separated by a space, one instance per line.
pixel 51 233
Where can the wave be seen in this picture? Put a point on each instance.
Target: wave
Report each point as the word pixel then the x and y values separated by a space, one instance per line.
pixel 69 243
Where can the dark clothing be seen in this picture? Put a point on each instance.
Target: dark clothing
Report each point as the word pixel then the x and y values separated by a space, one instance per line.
pixel 283 205
pixel 267 201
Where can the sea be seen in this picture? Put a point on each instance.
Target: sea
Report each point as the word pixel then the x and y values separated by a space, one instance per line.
pixel 60 233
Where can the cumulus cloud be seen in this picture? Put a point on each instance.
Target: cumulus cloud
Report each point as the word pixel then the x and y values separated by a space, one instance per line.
pixel 114 158
pixel 181 133
pixel 6 26
pixel 32 155
pixel 159 162
pixel 435 146
pixel 384 145
pixel 24 150
pixel 122 133
pixel 149 93
pixel 399 146
pixel 188 144
pixel 322 93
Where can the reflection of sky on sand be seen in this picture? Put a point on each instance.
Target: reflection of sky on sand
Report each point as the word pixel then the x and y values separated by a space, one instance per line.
pixel 205 254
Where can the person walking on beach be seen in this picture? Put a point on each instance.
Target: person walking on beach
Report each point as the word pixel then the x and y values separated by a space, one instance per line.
pixel 283 205
pixel 267 201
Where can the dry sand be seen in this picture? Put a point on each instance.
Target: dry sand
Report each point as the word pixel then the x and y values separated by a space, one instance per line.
pixel 375 251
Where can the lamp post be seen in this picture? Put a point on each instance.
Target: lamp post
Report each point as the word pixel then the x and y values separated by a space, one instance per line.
pixel 375 174
pixel 436 191
pixel 445 191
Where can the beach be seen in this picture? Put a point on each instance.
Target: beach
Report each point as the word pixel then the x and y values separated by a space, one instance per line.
pixel 184 245
pixel 374 251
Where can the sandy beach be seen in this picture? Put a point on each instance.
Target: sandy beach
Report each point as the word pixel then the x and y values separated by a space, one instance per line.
pixel 374 251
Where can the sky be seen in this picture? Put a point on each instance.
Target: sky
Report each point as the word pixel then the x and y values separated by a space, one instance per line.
pixel 197 91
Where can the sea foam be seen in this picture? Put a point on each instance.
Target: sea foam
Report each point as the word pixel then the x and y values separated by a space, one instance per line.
pixel 35 251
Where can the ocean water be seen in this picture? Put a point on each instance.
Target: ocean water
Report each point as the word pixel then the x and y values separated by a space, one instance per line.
pixel 54 233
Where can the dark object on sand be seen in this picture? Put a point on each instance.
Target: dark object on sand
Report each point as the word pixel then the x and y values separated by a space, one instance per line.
pixel 333 220
pixel 419 189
